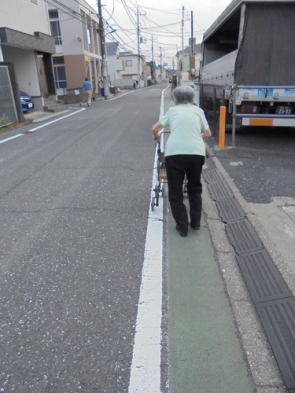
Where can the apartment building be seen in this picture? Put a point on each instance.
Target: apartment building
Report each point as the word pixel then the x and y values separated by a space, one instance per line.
pixel 189 65
pixel 134 68
pixel 75 28
pixel 26 48
pixel 115 63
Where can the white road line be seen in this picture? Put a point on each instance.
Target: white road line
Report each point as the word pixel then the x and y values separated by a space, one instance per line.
pixel 13 137
pixel 146 362
pixel 54 121
pixel 121 95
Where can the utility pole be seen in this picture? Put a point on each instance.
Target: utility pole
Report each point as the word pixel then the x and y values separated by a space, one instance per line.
pixel 182 26
pixel 192 33
pixel 153 68
pixel 103 51
pixel 138 38
pixel 192 58
pixel 161 70
pixel 138 42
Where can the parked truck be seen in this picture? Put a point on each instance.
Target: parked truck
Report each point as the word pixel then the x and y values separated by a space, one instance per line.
pixel 248 57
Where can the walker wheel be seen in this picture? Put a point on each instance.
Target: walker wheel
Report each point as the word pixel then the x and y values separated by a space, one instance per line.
pixel 152 204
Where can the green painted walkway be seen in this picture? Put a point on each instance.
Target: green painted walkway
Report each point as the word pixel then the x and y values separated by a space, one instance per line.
pixel 205 355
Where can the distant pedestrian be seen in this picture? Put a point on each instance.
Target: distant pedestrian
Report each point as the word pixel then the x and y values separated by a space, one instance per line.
pixel 87 86
pixel 93 89
pixel 134 84
pixel 101 87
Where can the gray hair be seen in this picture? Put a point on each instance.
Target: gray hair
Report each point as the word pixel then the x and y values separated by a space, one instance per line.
pixel 184 95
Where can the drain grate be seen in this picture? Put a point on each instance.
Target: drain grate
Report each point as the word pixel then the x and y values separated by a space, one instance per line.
pixel 219 190
pixel 262 277
pixel 243 237
pixel 229 209
pixel 212 175
pixel 278 320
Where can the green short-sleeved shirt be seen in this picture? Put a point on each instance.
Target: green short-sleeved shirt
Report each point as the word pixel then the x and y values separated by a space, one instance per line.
pixel 186 123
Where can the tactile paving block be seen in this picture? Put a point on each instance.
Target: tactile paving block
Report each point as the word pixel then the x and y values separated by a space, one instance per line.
pixel 212 175
pixel 278 320
pixel 229 209
pixel 242 236
pixel 262 278
pixel 209 163
pixel 219 190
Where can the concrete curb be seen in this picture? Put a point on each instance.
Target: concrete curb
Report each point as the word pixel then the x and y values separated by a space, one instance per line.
pixel 256 348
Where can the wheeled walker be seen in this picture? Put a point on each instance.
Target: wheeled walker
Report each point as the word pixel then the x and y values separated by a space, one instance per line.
pixel 161 180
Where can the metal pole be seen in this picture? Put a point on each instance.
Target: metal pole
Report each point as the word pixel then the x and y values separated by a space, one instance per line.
pixel 182 26
pixel 192 33
pixel 138 58
pixel 103 51
pixel 234 116
pixel 153 68
pixel 222 123
pixel 161 71
pixel 242 22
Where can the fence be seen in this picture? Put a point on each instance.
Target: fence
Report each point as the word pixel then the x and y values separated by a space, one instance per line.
pixel 8 110
pixel 123 83
pixel 211 97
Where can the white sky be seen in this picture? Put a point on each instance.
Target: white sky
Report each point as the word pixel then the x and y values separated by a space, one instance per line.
pixel 160 19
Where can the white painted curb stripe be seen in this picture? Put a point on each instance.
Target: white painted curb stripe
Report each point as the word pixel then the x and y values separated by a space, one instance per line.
pixel 54 121
pixel 146 362
pixel 121 95
pixel 9 139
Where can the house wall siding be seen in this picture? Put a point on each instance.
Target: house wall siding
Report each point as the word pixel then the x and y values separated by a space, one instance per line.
pixel 73 63
pixel 24 16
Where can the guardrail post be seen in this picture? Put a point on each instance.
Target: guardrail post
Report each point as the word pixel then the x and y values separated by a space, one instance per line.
pixel 222 122
pixel 234 115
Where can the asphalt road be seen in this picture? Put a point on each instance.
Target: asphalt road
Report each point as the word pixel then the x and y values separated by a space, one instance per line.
pixel 74 207
pixel 262 163
pixel 74 203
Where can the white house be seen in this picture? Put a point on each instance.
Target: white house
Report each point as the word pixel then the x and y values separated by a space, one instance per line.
pixel 75 27
pixel 115 63
pixel 133 69
pixel 188 64
pixel 26 46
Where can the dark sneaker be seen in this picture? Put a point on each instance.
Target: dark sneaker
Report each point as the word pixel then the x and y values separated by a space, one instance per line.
pixel 195 227
pixel 182 234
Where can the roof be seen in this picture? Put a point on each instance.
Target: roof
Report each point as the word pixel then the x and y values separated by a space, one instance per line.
pixel 188 50
pixel 112 48
pixel 131 54
pixel 232 8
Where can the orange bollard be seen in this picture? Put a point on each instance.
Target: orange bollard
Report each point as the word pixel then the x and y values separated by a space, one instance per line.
pixel 222 120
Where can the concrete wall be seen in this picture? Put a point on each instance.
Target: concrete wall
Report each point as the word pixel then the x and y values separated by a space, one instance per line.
pixel 130 70
pixel 115 67
pixel 75 70
pixel 25 67
pixel 72 35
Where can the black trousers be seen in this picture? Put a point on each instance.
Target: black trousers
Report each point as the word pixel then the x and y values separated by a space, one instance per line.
pixel 177 167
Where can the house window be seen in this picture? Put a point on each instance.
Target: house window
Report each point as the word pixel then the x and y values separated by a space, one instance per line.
pixel 128 63
pixel 55 27
pixel 59 72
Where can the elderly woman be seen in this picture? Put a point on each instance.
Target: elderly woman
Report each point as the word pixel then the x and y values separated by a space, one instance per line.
pixel 184 155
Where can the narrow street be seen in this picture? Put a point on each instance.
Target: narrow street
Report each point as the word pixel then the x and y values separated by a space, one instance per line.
pixel 98 293
pixel 75 199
